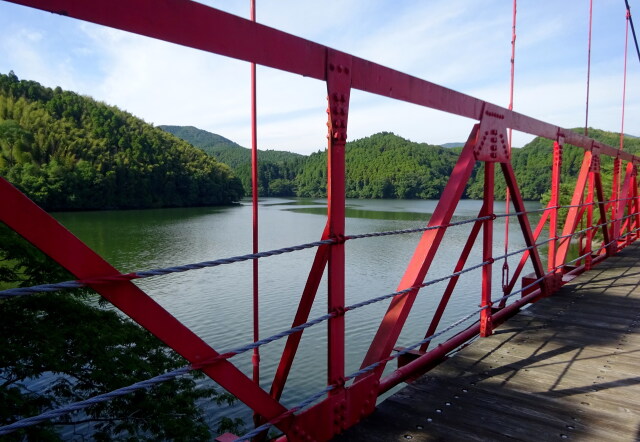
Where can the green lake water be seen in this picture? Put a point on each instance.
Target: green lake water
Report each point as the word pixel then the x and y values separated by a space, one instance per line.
pixel 216 303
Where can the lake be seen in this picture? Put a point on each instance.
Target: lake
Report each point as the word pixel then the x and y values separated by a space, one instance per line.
pixel 216 303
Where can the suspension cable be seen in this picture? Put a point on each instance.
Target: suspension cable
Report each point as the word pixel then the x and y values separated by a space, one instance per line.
pixel 633 30
pixel 586 117
pixel 624 81
pixel 505 265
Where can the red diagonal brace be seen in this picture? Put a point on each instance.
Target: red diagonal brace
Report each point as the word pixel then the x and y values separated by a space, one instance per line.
pixel 302 315
pixel 572 217
pixel 44 232
pixel 400 306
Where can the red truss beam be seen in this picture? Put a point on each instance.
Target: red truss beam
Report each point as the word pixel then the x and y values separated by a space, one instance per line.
pixel 198 26
pixel 195 25
pixel 398 311
pixel 42 230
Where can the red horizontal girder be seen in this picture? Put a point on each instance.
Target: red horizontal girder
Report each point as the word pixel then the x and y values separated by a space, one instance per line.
pixel 201 27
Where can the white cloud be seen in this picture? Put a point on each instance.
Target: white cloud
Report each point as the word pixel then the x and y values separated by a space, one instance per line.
pixel 463 45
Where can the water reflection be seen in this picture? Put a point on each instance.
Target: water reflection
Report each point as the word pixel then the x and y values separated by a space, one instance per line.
pixel 216 303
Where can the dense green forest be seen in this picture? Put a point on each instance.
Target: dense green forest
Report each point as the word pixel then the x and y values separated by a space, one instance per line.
pixel 385 165
pixel 69 152
pixel 532 166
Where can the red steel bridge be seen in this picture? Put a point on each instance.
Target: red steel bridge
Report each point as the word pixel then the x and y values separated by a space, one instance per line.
pixel 601 221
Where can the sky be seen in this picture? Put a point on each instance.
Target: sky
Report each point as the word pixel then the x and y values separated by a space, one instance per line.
pixel 461 44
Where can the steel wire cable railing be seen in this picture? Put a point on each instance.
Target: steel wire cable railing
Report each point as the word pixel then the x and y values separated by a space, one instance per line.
pixel 567 264
pixel 123 277
pixel 51 414
pixel 26 422
pixel 313 398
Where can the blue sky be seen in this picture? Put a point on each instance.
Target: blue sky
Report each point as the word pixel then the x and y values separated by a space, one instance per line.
pixel 461 44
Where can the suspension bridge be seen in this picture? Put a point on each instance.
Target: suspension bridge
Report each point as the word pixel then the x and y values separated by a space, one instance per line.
pixel 510 383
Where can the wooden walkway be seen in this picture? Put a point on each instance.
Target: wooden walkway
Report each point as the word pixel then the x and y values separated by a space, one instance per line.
pixel 566 368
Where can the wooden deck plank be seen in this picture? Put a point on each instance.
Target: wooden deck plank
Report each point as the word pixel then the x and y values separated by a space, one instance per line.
pixel 567 368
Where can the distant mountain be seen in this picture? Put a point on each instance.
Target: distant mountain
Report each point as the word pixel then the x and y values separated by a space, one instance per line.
pixel 207 141
pixel 451 145
pixel 276 169
pixel 225 150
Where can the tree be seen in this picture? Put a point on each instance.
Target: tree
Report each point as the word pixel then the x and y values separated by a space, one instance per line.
pixel 80 350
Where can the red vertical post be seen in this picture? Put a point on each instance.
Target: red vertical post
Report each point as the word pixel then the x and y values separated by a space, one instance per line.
pixel 594 170
pixel 255 360
pixel 620 205
pixel 615 192
pixel 629 221
pixel 338 88
pixel 555 202
pixel 636 204
pixel 486 327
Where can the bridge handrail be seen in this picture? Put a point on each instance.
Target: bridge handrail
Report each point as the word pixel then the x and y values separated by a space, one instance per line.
pixel 198 26
pixel 142 274
pixel 51 414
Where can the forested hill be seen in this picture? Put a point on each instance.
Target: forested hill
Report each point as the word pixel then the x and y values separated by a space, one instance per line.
pixel 383 165
pixel 69 152
pixel 227 151
pixel 207 141
pixel 276 171
pixel 532 166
